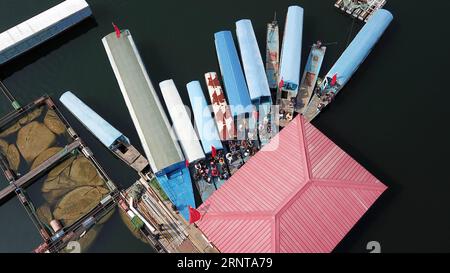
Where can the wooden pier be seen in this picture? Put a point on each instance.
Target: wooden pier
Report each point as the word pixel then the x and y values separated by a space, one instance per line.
pixel 360 9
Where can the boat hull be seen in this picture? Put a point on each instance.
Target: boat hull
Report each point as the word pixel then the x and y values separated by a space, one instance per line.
pixel 310 77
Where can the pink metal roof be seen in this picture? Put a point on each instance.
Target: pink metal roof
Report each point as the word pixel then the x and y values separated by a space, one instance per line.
pixel 301 193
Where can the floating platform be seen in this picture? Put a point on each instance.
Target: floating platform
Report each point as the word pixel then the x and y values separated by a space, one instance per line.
pixel 360 9
pixel 37 116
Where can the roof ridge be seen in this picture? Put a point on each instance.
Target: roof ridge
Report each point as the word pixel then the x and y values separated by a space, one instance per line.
pixel 247 215
pixel 291 199
pixel 348 184
pixel 301 130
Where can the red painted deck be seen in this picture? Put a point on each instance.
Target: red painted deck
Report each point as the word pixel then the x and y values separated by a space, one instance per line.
pixel 300 193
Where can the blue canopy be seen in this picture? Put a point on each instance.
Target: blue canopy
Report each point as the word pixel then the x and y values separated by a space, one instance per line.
pixel 233 77
pixel 176 183
pixel 105 132
pixel 360 47
pixel 255 73
pixel 292 49
pixel 206 125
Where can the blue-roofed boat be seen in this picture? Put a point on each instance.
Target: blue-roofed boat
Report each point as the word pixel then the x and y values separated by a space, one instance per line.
pixel 289 78
pixel 212 172
pixel 256 77
pixel 237 93
pixel 310 76
pixel 109 136
pixel 349 62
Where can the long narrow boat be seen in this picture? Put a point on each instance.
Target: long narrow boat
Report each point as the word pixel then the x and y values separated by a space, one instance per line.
pixel 310 76
pixel 224 121
pixel 152 124
pixel 348 63
pixel 256 77
pixel 211 173
pixel 238 95
pixel 273 53
pixel 289 79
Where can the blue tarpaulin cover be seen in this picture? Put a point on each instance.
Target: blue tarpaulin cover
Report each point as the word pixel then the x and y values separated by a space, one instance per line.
pixel 233 77
pixel 292 48
pixel 176 183
pixel 104 131
pixel 360 47
pixel 255 73
pixel 206 126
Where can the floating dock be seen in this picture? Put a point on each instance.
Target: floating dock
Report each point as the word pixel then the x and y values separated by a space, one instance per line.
pixel 289 78
pixel 360 9
pixel 353 56
pixel 158 140
pixel 42 27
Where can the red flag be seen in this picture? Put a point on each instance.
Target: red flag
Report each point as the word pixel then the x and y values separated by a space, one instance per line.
pixel 187 163
pixel 256 115
pixel 334 80
pixel 281 85
pixel 194 215
pixel 213 151
pixel 117 30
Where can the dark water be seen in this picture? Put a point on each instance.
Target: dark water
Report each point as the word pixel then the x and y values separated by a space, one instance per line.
pixel 392 116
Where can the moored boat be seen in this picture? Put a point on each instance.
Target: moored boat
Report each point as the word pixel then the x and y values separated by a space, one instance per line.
pixel 289 78
pixel 310 76
pixel 353 56
pixel 212 172
pixel 273 53
pixel 224 121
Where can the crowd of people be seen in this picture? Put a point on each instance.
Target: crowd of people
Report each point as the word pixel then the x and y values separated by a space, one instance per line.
pixel 212 168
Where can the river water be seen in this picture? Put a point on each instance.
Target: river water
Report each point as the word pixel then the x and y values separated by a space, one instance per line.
pixel 386 117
